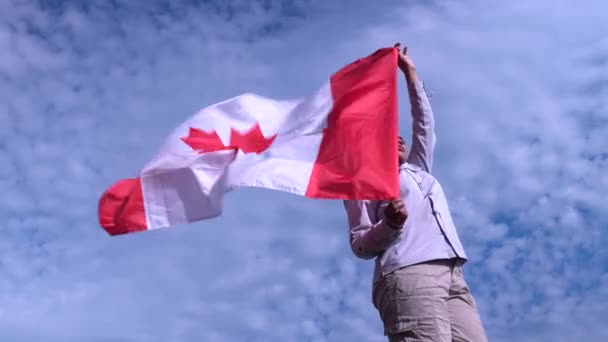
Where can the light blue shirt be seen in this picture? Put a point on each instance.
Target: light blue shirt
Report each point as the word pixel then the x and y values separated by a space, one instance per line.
pixel 428 232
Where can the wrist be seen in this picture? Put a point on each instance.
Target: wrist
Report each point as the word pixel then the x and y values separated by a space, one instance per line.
pixel 410 72
pixel 408 68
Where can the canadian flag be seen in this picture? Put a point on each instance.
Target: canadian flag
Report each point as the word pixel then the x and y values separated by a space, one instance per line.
pixel 338 143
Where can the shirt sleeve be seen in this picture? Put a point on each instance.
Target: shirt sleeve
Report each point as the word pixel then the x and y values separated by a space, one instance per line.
pixel 423 130
pixel 367 237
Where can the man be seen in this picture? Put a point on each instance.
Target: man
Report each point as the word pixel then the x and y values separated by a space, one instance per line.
pixel 419 288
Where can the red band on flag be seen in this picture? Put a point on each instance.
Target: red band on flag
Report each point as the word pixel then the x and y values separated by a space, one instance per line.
pixel 358 153
pixel 121 208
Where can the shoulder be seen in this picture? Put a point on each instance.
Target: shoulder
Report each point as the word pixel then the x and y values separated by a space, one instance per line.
pixel 411 167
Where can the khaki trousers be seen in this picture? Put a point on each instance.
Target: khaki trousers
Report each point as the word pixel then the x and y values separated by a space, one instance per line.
pixel 428 302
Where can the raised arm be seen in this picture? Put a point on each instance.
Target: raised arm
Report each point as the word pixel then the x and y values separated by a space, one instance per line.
pixel 369 236
pixel 423 121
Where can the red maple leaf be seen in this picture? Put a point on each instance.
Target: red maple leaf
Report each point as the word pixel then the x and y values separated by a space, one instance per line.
pixel 251 141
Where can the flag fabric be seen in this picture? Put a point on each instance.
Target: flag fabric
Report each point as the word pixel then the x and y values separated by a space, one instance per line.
pixel 338 143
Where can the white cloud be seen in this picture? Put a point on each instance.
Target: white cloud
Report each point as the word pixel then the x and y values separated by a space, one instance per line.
pixel 88 93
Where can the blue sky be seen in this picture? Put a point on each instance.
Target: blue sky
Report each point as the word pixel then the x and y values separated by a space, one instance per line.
pixel 88 92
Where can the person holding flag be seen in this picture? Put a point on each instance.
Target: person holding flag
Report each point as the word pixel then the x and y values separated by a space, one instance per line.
pixel 419 288
pixel 339 142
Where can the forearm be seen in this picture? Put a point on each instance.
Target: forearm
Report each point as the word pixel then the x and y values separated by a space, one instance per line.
pixel 417 96
pixel 368 237
pixel 423 122
pixel 411 76
pixel 369 243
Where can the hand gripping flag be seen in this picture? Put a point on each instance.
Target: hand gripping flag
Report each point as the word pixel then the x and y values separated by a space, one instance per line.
pixel 338 143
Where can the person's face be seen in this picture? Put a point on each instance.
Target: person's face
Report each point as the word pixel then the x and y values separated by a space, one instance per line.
pixel 401 150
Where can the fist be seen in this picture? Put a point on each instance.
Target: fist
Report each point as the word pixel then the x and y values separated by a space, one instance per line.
pixel 405 62
pixel 395 213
